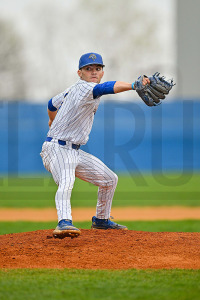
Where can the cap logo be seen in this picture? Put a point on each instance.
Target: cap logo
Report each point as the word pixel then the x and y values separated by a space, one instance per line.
pixel 93 57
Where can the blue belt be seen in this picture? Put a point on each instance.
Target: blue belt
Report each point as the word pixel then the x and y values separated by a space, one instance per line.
pixel 63 143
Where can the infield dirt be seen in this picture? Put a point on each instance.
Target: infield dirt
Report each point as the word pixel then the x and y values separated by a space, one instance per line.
pixel 101 249
pixel 120 213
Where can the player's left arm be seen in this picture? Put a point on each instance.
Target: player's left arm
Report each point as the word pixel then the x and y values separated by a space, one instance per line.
pixel 121 86
pixel 115 87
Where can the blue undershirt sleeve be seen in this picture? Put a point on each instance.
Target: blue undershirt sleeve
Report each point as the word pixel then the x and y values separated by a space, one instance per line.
pixel 103 89
pixel 50 106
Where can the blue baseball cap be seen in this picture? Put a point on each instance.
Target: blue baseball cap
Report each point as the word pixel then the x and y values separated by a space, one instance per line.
pixel 90 59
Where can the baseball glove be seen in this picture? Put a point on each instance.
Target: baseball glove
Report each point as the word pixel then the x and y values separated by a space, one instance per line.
pixel 153 93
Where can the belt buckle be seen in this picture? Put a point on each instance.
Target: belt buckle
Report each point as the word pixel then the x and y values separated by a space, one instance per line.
pixel 62 143
pixel 76 147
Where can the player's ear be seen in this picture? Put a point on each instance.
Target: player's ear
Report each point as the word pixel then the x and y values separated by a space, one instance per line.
pixel 79 73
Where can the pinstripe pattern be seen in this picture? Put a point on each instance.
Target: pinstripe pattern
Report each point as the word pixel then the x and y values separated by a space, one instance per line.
pixel 65 164
pixel 93 170
pixel 73 123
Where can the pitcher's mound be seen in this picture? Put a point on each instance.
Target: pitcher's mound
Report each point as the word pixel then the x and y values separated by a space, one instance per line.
pixel 101 249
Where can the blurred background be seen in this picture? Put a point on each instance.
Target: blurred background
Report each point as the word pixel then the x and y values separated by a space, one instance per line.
pixel 40 45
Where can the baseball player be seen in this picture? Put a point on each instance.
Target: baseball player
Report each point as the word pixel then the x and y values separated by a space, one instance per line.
pixel 71 115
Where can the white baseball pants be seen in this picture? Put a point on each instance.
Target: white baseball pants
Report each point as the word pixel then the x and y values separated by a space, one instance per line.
pixel 65 163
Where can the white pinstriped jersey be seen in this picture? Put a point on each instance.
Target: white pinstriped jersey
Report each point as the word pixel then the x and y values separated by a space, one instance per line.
pixel 76 108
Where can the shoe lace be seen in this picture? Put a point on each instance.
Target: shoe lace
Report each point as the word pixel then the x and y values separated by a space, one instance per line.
pixel 65 221
pixel 110 220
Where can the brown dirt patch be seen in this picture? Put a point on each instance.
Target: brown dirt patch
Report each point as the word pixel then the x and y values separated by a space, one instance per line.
pixel 99 249
pixel 120 213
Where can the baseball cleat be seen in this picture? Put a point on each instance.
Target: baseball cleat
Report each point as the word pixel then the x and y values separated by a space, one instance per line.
pixel 106 224
pixel 65 228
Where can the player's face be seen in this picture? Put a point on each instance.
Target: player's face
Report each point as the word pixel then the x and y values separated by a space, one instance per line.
pixel 91 73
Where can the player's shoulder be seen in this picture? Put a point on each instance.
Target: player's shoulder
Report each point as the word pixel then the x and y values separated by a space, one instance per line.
pixel 86 84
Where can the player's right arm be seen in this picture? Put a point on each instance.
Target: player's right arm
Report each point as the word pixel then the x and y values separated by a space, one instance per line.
pixel 52 111
pixel 51 115
pixel 54 104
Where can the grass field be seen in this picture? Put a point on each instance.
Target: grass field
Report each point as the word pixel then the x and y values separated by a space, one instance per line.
pixel 131 191
pixel 102 284
pixel 152 226
pixel 99 284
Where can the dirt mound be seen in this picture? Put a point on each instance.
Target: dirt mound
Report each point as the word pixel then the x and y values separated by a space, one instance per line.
pixel 99 249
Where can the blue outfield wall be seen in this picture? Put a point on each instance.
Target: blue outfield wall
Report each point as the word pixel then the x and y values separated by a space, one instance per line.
pixel 128 137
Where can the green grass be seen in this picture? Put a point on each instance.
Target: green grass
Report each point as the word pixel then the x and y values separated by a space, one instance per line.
pixel 132 190
pixel 153 226
pixel 145 190
pixel 99 284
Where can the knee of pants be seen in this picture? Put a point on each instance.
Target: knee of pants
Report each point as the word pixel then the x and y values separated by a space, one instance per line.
pixel 66 186
pixel 111 182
